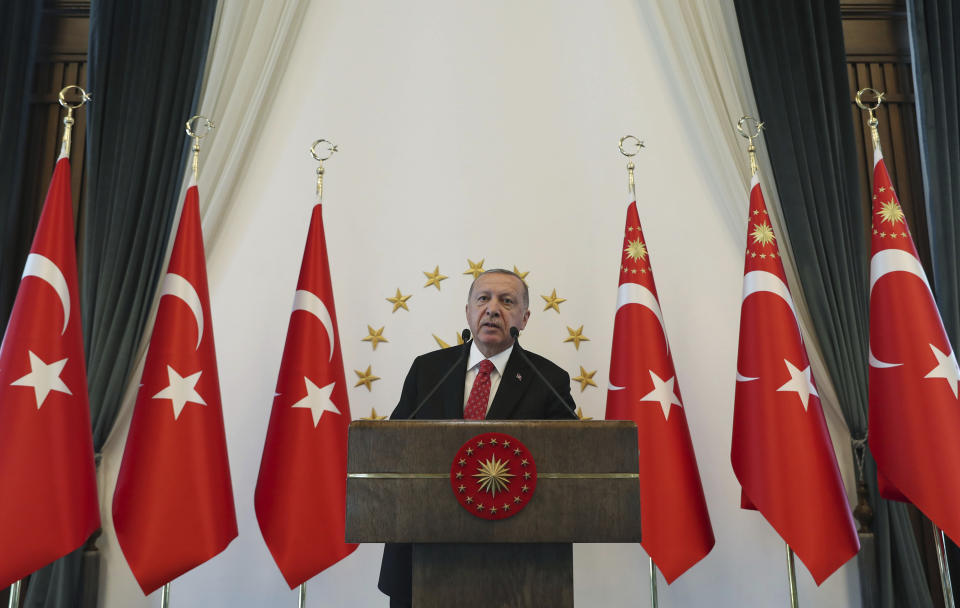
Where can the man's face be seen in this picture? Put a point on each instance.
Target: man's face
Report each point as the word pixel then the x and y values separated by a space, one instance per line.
pixel 495 305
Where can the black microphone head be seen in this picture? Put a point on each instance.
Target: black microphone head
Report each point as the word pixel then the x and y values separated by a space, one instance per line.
pixel 465 335
pixel 514 332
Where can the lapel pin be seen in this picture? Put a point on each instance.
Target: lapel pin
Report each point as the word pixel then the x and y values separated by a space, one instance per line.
pixel 519 378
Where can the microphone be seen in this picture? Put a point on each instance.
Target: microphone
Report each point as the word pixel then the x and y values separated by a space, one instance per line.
pixel 515 333
pixel 461 360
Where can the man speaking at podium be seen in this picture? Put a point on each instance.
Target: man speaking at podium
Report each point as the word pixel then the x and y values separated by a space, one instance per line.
pixel 487 378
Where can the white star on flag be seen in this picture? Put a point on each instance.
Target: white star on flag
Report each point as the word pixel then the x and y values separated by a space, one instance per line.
pixel 317 400
pixel 801 383
pixel 181 391
pixel 946 368
pixel 43 378
pixel 662 392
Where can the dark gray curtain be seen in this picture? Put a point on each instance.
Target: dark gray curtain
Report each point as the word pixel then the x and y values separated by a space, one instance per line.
pixel 19 32
pixel 934 27
pixel 146 63
pixel 796 58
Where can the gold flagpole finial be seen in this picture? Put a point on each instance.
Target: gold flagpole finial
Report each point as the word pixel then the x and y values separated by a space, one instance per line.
pixel 320 156
pixel 871 108
pixel 197 134
pixel 751 148
pixel 68 119
pixel 636 145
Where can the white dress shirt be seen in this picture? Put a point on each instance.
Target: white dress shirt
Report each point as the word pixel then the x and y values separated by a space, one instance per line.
pixel 473 363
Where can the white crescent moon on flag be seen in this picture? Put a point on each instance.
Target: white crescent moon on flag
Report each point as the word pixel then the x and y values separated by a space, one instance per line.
pixel 632 293
pixel 309 302
pixel 883 263
pixel 44 268
pixel 178 287
pixel 760 280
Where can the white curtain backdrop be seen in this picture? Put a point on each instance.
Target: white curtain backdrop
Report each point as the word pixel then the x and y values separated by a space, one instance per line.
pixel 701 42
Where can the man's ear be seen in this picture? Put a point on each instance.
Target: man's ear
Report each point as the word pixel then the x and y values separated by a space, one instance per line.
pixel 523 321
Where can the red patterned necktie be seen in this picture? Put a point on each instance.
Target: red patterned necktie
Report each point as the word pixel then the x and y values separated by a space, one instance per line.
pixel 476 408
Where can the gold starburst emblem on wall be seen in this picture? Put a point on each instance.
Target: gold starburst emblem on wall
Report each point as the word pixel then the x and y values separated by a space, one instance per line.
pixel 762 234
pixel 890 212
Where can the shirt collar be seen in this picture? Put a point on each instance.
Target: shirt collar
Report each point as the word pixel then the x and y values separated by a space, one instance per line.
pixel 499 360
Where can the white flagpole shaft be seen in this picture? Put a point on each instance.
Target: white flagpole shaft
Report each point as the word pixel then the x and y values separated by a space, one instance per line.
pixel 302 603
pixel 165 596
pixel 653 583
pixel 945 585
pixel 15 595
pixel 792 572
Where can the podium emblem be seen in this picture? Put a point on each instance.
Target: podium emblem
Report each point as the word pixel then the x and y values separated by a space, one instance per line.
pixel 493 476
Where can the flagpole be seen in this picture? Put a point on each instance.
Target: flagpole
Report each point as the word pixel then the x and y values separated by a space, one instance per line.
pixel 792 571
pixel 653 583
pixel 754 168
pixel 191 128
pixel 15 595
pixel 946 585
pixel 320 157
pixel 165 596
pixel 632 142
pixel 302 602
pixel 68 119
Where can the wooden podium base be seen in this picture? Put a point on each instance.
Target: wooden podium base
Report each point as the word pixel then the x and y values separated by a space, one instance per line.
pixel 497 575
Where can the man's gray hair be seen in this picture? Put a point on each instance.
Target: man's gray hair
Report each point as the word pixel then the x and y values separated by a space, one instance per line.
pixel 526 290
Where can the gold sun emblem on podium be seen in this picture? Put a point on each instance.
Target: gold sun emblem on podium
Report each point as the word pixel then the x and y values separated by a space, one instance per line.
pixel 493 476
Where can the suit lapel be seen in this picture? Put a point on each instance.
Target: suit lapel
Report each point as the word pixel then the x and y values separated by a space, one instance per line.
pixel 452 390
pixel 513 384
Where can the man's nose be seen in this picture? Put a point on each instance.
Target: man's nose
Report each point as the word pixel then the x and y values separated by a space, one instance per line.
pixel 492 310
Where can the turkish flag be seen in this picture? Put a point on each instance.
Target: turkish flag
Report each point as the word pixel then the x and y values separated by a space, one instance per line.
pixel 782 453
pixel 914 410
pixel 301 492
pixel 643 388
pixel 49 505
pixel 173 504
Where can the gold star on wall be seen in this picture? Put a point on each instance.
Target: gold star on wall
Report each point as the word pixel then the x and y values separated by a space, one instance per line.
pixel 434 278
pixel 475 269
pixel 374 337
pixel 522 275
pixel 585 379
pixel 399 301
pixel 373 415
pixel 365 378
pixel 553 301
pixel 444 344
pixel 576 336
pixel 581 416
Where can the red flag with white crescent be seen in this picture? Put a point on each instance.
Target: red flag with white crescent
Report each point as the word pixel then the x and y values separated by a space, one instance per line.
pixel 643 388
pixel 782 453
pixel 173 504
pixel 47 475
pixel 914 409
pixel 300 498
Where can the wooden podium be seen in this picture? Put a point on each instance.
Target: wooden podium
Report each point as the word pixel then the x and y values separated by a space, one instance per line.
pixel 398 490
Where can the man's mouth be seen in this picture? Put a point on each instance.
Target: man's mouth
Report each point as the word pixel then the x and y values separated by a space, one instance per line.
pixel 491 325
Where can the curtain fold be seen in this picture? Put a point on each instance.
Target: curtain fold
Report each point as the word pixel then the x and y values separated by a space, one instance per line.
pixel 146 60
pixel 934 26
pixel 797 63
pixel 19 33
